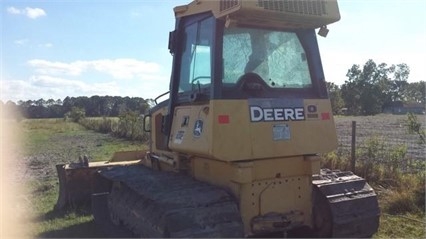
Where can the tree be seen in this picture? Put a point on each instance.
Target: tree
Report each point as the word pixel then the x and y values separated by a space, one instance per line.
pixel 415 92
pixel 366 91
pixel 351 91
pixel 34 109
pixel 94 106
pixel 399 83
pixel 394 85
pixel 55 108
pixel 68 103
pixel 106 103
pixel 336 99
pixel 119 106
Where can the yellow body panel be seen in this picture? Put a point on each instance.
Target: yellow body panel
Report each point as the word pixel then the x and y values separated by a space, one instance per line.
pixel 228 134
pixel 300 14
pixel 158 139
pixel 281 185
pixel 229 146
pixel 183 139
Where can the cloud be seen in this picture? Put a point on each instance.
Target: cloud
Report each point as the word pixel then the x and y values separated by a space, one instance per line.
pixel 117 68
pixel 47 87
pixel 25 42
pixel 21 42
pixel 57 79
pixel 124 68
pixel 58 68
pixel 46 45
pixel 71 87
pixel 13 10
pixel 53 82
pixel 32 13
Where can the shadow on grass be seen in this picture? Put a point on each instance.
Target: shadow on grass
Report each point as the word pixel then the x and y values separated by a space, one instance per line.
pixel 83 230
pixel 61 213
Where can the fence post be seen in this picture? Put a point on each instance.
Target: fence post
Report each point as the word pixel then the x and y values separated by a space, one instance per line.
pixel 353 146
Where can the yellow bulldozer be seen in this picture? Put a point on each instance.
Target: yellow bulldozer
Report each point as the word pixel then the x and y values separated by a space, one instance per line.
pixel 235 149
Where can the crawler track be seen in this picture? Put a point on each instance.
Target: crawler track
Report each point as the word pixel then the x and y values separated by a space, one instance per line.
pixel 344 205
pixel 164 204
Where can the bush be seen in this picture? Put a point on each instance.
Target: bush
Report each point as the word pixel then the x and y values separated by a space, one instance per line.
pixel 334 160
pixel 372 152
pixel 76 114
pixel 419 197
pixel 415 127
pixel 384 169
pixel 103 125
pixel 129 125
pixel 408 196
pixel 400 202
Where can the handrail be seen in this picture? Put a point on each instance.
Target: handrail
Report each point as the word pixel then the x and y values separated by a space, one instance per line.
pixel 155 100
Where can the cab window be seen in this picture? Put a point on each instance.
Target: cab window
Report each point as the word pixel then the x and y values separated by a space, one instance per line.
pixel 276 56
pixel 195 72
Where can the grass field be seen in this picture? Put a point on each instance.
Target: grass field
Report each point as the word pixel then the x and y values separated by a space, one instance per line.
pixel 45 143
pixel 392 130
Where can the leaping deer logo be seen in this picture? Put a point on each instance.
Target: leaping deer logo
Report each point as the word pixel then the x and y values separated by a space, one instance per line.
pixel 198 128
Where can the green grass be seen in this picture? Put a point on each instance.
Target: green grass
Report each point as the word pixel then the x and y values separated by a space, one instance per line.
pixel 56 141
pixel 49 142
pixel 37 132
pixel 401 226
pixel 401 196
pixel 50 223
pixel 106 148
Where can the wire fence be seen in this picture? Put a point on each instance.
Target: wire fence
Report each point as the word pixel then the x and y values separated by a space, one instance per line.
pixel 387 135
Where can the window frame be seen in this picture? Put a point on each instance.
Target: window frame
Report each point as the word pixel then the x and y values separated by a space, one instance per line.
pixel 308 40
pixel 205 92
pixel 216 89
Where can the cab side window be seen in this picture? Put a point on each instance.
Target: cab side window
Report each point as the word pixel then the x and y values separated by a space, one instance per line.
pixel 195 72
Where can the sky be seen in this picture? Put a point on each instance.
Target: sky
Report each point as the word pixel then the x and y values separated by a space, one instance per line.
pixel 53 49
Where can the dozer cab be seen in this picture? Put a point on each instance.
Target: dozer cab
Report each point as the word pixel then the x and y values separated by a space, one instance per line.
pixel 234 150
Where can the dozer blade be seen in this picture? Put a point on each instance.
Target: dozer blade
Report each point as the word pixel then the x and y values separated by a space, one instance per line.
pixel 76 180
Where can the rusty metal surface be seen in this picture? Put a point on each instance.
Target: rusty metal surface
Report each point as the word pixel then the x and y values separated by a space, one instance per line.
pixel 344 205
pixel 167 204
pixel 75 185
pixel 76 181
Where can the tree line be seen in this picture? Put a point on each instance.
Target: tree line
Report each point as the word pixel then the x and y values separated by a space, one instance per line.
pixel 371 88
pixel 94 106
pixel 368 90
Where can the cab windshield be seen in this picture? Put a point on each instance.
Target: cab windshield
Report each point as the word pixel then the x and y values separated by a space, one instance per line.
pixel 276 56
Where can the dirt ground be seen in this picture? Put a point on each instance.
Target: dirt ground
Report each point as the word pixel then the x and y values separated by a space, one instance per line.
pixel 60 148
